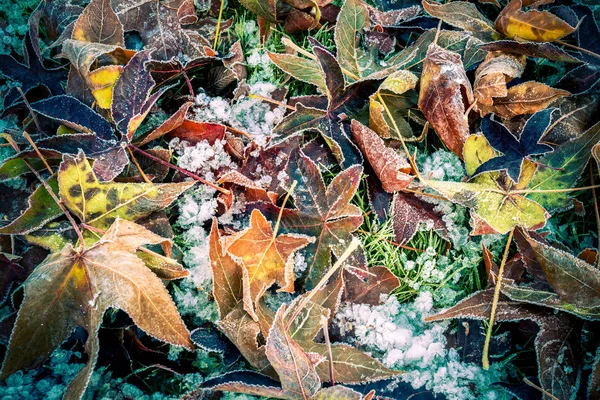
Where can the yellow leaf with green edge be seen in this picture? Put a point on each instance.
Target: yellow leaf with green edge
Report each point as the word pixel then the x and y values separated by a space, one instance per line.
pixel 494 207
pixel 101 81
pixel 53 236
pixel 396 93
pixel 99 204
pixel 65 130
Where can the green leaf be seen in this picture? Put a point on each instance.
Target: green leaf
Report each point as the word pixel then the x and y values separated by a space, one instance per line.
pixel 562 168
pixel 42 209
pixel 463 15
pixel 266 9
pixel 353 18
pixel 303 69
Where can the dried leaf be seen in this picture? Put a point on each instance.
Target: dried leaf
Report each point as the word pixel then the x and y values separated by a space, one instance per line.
pixel 409 213
pixel 380 281
pixel 533 25
pixel 172 123
pixel 265 258
pixel 75 288
pixel 441 99
pixel 463 15
pixel 526 98
pixel 99 24
pixel 392 168
pixel 530 49
pixel 493 74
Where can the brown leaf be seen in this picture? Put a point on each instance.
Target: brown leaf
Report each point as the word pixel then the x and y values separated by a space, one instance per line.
pixel 172 123
pixel 194 131
pixel 494 73
pixel 295 367
pixel 526 98
pixel 99 24
pixel 391 167
pixel 265 258
pixel 369 290
pixel 75 288
pixel 441 99
pixel 409 212
pixel 227 275
pixel 532 25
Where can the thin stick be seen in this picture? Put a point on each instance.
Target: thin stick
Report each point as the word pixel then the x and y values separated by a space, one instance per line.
pixel 410 160
pixel 595 203
pixel 591 53
pixel 259 97
pixel 189 83
pixel 394 243
pixel 533 385
pixel 139 168
pixel 329 352
pixel 176 168
pixel 527 191
pixel 218 30
pixel 50 191
pixel 351 247
pixel 488 336
pixel 35 120
pixel 287 196
pixel 38 152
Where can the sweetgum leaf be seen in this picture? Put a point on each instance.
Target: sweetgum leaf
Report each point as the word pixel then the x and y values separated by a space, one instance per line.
pixel 323 213
pixel 76 287
pixel 441 99
pixel 31 73
pixel 514 151
pixel 533 25
pixel 265 259
pixel 73 113
pixel 99 204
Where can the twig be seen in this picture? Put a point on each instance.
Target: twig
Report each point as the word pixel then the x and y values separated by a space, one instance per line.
pixel 533 385
pixel 277 223
pixel 35 120
pixel 259 97
pixel 324 323
pixel 488 336
pixel 239 132
pixel 38 152
pixel 50 192
pixel 176 168
pixel 591 53
pixel 218 30
pixel 139 168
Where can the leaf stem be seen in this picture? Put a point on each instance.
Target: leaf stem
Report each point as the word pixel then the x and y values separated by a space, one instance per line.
pixel 176 168
pixel 139 168
pixel 527 191
pixel 591 53
pixel 259 97
pixel 533 385
pixel 324 324
pixel 35 120
pixel 488 336
pixel 38 152
pixel 287 196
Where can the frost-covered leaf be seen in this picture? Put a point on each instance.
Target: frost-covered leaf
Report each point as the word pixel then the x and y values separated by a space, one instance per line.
pixel 379 281
pixel 303 69
pixel 525 98
pixel 533 25
pixel 265 9
pixel 266 258
pixel 515 152
pixel 558 370
pixel 74 288
pixel 530 49
pixel 493 74
pixel 445 90
pixel 397 94
pixel 15 269
pixel 392 168
pixel 409 213
pixel 323 213
pixel 99 24
pixel 562 168
pixel 249 382
pixel 463 15
pixel 99 204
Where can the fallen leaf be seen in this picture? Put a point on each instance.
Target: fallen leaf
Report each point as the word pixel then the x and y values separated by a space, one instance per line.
pixel 531 49
pixel 533 25
pixel 303 69
pixel 379 281
pixel 409 213
pixel 76 287
pixel 515 152
pixel 265 259
pixel 392 168
pixel 463 15
pixel 352 20
pixel 445 93
pixel 493 74
pixel 98 23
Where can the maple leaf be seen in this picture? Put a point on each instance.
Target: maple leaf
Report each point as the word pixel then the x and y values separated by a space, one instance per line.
pixel 323 213
pixel 15 269
pixel 74 288
pixel 31 73
pixel 408 213
pixel 99 204
pixel 441 97
pixel 514 151
pixel 265 258
pixel 391 167
pixel 324 113
pixel 379 280
pixel 532 25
